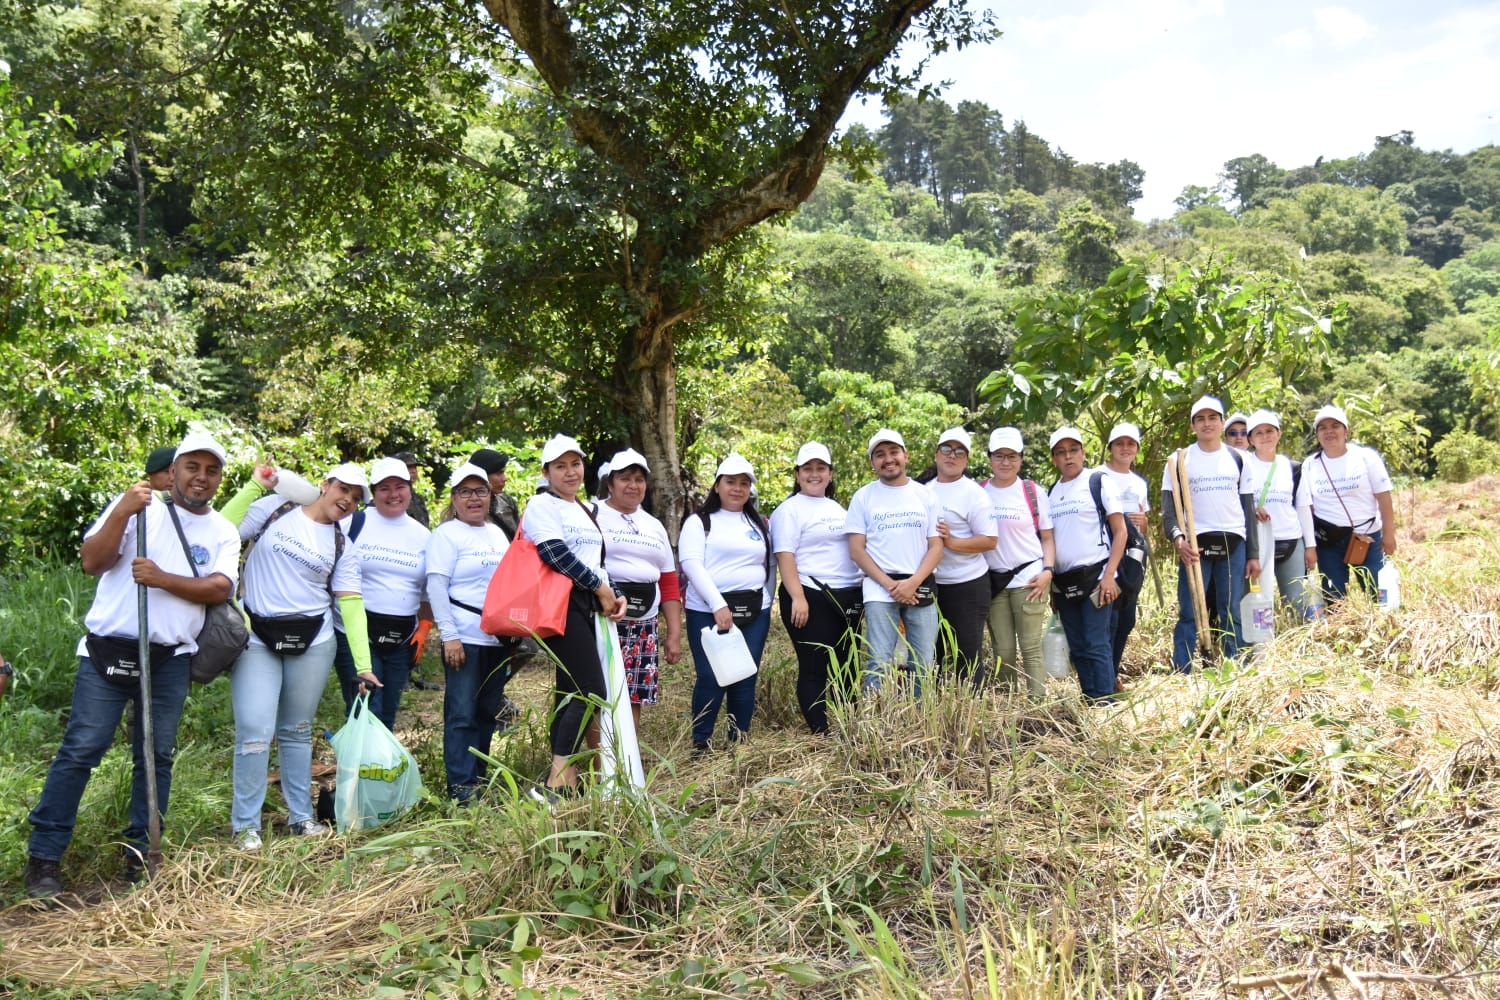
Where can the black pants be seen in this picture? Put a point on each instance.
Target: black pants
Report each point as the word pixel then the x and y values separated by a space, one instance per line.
pixel 965 609
pixel 826 654
pixel 1125 615
pixel 580 675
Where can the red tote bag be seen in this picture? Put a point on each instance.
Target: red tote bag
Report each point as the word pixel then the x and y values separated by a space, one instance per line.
pixel 526 597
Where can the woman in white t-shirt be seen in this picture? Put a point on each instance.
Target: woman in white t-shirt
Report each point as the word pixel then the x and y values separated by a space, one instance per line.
pixel 299 566
pixel 638 556
pixel 462 556
pixel 567 538
pixel 1271 479
pixel 1349 490
pixel 821 596
pixel 1020 566
pixel 725 549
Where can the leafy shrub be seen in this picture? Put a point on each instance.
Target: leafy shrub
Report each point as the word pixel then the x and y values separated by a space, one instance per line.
pixel 1462 456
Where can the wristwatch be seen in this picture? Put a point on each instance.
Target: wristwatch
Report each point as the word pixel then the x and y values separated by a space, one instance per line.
pixel 1049 569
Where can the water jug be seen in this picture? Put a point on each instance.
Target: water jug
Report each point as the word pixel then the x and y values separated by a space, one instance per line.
pixel 1257 614
pixel 1312 595
pixel 1388 582
pixel 728 655
pixel 1267 539
pixel 1055 651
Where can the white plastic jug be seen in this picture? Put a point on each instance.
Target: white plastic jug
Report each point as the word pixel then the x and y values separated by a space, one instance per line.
pixel 1388 582
pixel 1055 651
pixel 728 655
pixel 1267 541
pixel 1257 614
pixel 1312 595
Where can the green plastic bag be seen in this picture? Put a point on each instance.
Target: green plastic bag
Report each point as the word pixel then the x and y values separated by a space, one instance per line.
pixel 377 777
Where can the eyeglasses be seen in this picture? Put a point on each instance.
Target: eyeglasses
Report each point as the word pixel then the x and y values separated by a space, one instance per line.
pixel 630 524
pixel 466 492
pixel 996 456
pixel 953 449
pixel 1237 434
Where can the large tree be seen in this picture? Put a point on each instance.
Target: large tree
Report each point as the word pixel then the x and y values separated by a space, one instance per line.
pixel 616 207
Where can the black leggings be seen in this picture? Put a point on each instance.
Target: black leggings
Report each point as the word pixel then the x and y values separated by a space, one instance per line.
pixel 580 675
pixel 965 609
pixel 829 638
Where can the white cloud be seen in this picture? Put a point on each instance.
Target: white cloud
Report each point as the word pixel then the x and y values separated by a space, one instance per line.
pixel 1341 26
pixel 1297 38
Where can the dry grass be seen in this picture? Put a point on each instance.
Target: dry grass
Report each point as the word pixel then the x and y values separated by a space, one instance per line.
pixel 1322 820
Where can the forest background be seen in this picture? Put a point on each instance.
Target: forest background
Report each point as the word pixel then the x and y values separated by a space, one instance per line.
pixel 316 234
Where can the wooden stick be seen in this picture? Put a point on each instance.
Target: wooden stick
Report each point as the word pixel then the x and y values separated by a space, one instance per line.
pixel 1182 501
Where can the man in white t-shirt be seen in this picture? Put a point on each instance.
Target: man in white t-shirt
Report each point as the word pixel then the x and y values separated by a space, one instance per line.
pixel 175 601
pixel 1226 548
pixel 1121 450
pixel 894 538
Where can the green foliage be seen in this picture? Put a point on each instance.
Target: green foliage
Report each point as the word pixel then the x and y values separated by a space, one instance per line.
pixel 1329 217
pixel 1463 456
pixel 1399 435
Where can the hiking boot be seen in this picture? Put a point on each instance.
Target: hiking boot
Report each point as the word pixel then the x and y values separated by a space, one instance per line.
pixel 308 828
pixel 134 867
pixel 508 714
pixel 43 878
pixel 247 840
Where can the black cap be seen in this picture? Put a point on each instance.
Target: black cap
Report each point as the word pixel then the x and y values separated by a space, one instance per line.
pixel 160 459
pixel 490 460
pixel 405 458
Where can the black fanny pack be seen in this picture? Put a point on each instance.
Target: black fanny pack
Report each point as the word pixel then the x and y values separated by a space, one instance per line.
pixel 117 658
pixel 744 605
pixel 1217 544
pixel 1000 579
pixel 638 598
pixel 925 592
pixel 387 632
pixel 1285 547
pixel 1331 536
pixel 287 635
pixel 849 600
pixel 1078 582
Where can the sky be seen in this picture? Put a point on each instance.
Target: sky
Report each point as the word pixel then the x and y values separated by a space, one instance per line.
pixel 1181 86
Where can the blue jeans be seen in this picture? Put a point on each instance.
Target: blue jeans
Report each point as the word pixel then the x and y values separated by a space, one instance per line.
pixel 1223 586
pixel 1090 633
pixel 97 708
pixel 738 698
pixel 392 667
pixel 275 695
pixel 915 651
pixel 472 696
pixel 1336 573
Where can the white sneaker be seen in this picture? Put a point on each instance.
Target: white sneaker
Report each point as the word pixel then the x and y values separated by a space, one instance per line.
pixel 308 828
pixel 247 840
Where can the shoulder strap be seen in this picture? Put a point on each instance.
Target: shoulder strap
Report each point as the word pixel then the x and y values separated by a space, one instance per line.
pixel 591 511
pixel 1239 460
pixel 275 514
pixel 1029 489
pixel 1270 475
pixel 1296 478
pixel 356 524
pixel 1096 487
pixel 187 550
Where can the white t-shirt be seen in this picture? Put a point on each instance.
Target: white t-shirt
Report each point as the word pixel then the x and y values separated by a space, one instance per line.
pixel 1214 479
pixel 638 550
pixel 287 571
pixel 1134 492
pixel 967 512
pixel 548 516
pixel 1279 499
pixel 1358 475
pixel 467 555
pixel 392 554
pixel 170 620
pixel 1081 539
pixel 812 530
pixel 1018 547
pixel 732 557
pixel 897 522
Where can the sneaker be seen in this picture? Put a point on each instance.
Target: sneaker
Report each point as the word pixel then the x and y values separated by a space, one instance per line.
pixel 247 840
pixel 508 714
pixel 553 797
pixel 43 878
pixel 308 828
pixel 134 867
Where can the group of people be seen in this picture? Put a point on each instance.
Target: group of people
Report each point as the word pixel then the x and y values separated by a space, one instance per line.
pixel 901 584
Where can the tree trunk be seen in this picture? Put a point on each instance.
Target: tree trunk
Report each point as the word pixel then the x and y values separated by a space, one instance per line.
pixel 654 410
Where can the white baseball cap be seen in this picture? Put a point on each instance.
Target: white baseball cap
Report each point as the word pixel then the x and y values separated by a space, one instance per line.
pixel 623 460
pixel 559 445
pixel 201 441
pixel 1123 430
pixel 467 471
pixel 735 464
pixel 388 468
pixel 1005 437
pixel 958 435
pixel 813 450
pixel 1207 403
pixel 1064 434
pixel 1236 418
pixel 1260 417
pixel 882 436
pixel 605 468
pixel 1334 412
pixel 351 474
